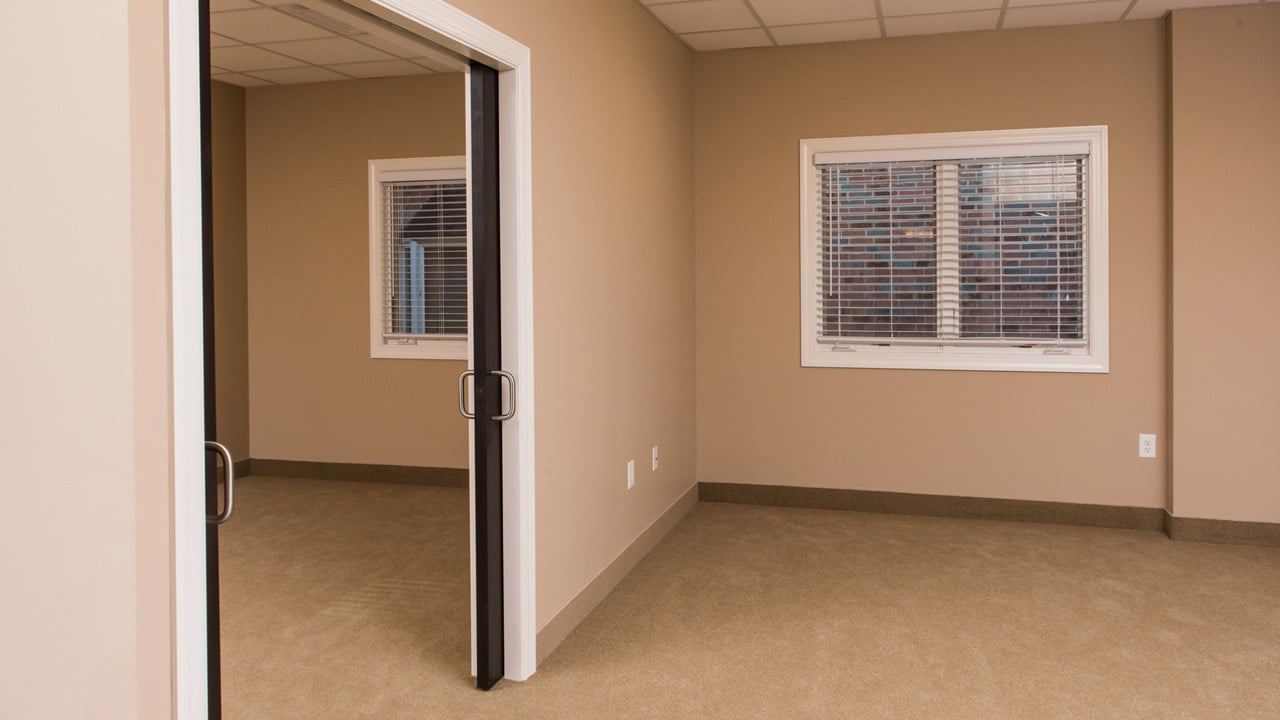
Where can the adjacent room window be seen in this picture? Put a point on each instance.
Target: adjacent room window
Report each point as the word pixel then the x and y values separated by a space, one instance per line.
pixel 956 251
pixel 418 258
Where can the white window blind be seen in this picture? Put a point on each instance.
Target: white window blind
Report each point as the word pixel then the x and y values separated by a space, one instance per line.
pixel 971 250
pixel 425 258
pixel 987 250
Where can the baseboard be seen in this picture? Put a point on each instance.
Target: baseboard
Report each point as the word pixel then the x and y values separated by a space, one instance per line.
pixel 356 472
pixel 243 467
pixel 1107 516
pixel 572 614
pixel 1227 532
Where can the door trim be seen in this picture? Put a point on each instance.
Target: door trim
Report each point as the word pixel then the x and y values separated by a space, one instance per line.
pixel 436 20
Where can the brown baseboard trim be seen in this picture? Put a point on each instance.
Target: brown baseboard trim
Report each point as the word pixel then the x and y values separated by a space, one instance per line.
pixel 243 468
pixel 1107 516
pixel 1227 532
pixel 357 472
pixel 572 614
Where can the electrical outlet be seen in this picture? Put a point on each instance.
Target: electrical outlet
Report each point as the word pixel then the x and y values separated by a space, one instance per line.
pixel 1146 446
pixel 631 474
pixel 655 457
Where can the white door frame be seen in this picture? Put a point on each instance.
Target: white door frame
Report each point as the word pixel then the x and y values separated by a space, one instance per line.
pixel 435 20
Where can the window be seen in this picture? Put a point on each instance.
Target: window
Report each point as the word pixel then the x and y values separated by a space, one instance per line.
pixel 418 258
pixel 956 251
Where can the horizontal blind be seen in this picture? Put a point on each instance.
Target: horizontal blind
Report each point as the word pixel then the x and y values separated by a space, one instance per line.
pixel 425 258
pixel 877 255
pixel 1022 251
pixel 988 251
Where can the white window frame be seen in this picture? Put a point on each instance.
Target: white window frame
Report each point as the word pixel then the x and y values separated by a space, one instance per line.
pixel 423 347
pixel 1091 358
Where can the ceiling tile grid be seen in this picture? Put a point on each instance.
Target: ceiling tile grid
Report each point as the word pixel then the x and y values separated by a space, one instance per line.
pixel 270 42
pixel 707 25
pixel 254 43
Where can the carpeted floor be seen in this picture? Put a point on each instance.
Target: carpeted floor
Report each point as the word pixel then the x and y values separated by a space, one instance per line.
pixel 349 600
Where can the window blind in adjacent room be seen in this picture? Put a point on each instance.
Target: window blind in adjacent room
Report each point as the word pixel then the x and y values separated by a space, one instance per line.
pixel 425 258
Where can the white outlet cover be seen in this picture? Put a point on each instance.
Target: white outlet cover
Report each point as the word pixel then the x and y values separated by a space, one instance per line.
pixel 655 457
pixel 631 474
pixel 1146 446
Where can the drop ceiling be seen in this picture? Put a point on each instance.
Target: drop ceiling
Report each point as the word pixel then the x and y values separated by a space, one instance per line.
pixel 726 24
pixel 282 42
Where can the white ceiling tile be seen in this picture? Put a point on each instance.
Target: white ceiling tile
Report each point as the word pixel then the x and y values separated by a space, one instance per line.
pixel 705 15
pixel 245 57
pixel 328 50
pixel 826 32
pixel 420 51
pixel 394 45
pixel 263 25
pixel 1076 14
pixel 895 8
pixel 391 46
pixel 225 5
pixel 791 12
pixel 433 64
pixel 727 39
pixel 216 40
pixel 1145 9
pixel 294 76
pixel 241 80
pixel 949 22
pixel 382 68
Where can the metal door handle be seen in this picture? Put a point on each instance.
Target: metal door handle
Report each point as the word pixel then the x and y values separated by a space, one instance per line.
pixel 462 393
pixel 229 500
pixel 511 379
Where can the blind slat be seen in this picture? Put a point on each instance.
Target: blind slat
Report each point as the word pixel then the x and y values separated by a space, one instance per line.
pixel 425 258
pixel 987 248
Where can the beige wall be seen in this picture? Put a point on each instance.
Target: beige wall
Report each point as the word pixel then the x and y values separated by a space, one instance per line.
pixel 83 373
pixel 230 269
pixel 315 394
pixel 152 376
pixel 1226 182
pixel 1035 436
pixel 613 276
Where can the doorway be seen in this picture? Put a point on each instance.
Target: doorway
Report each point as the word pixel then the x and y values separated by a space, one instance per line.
pixel 451 29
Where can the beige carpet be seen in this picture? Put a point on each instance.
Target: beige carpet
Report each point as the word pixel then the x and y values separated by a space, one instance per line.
pixel 349 600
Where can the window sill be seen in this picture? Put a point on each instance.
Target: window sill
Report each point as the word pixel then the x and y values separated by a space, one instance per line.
pixel 423 350
pixel 1008 360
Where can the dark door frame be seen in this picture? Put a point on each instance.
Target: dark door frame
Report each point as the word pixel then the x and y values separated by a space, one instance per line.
pixel 486 343
pixel 213 618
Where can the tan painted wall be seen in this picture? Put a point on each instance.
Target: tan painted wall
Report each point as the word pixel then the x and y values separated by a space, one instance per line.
pixel 153 476
pixel 230 269
pixel 83 373
pixel 1035 436
pixel 1226 261
pixel 613 276
pixel 315 394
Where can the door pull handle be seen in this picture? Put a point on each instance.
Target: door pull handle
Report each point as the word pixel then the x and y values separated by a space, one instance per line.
pixel 511 395
pixel 511 382
pixel 230 468
pixel 462 393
